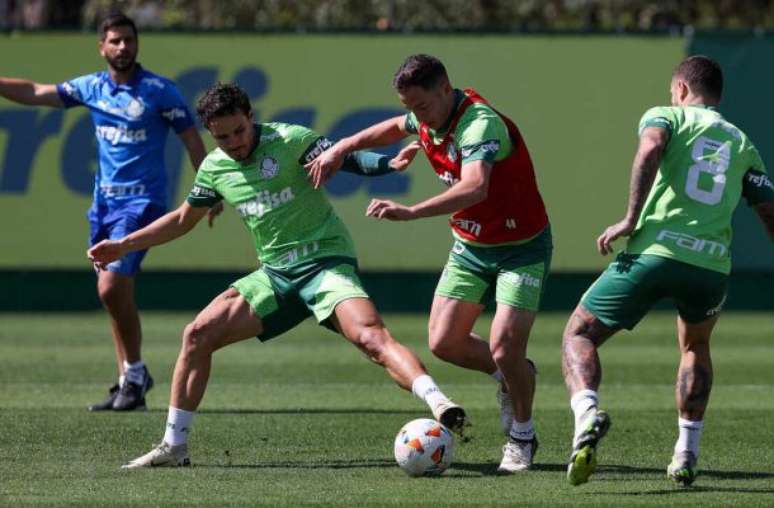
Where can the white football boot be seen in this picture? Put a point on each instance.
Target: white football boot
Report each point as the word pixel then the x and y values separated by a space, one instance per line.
pixel 163 455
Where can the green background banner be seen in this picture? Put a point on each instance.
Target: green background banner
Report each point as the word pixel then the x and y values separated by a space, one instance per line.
pixel 577 101
pixel 749 80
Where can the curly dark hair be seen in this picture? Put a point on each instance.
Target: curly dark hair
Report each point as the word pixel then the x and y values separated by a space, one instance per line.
pixel 420 70
pixel 222 99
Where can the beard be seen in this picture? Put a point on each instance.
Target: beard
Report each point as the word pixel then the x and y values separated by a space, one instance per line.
pixel 121 64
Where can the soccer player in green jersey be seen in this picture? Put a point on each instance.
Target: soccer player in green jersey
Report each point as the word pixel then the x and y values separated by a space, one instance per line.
pixel 502 237
pixel 308 261
pixel 689 172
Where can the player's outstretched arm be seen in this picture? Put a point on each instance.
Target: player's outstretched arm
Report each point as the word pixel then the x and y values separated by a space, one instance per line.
pixel 766 213
pixel 366 163
pixel 382 134
pixel 162 230
pixel 472 188
pixel 653 140
pixel 30 93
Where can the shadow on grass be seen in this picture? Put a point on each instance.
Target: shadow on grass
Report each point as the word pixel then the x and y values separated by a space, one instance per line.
pixel 706 475
pixel 485 469
pixel 327 464
pixel 309 411
pixel 703 473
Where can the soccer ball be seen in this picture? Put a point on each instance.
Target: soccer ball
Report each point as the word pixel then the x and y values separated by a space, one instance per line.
pixel 424 447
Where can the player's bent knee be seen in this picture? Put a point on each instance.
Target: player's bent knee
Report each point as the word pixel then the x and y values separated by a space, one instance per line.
pixel 197 339
pixel 507 349
pixel 442 347
pixel 372 340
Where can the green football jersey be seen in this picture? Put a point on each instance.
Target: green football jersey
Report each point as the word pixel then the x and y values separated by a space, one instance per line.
pixel 688 213
pixel 480 133
pixel 289 220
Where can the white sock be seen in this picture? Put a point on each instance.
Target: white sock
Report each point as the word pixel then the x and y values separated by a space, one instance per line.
pixel 425 388
pixel 121 380
pixel 178 426
pixel 497 376
pixel 523 431
pixel 135 372
pixel 690 434
pixel 584 405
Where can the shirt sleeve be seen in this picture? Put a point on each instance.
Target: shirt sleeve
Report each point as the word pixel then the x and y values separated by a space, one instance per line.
pixel 174 109
pixel 757 186
pixel 75 92
pixel 482 135
pixel 312 145
pixel 663 118
pixel 203 193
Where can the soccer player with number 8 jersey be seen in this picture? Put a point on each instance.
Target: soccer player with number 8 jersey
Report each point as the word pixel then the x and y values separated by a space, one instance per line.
pixel 691 168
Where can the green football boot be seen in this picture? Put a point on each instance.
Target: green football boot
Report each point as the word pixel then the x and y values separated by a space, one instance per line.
pixel 583 460
pixel 682 470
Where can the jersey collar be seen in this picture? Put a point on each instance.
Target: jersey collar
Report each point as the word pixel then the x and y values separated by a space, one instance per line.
pixel 139 73
pixel 254 154
pixel 459 96
pixel 703 106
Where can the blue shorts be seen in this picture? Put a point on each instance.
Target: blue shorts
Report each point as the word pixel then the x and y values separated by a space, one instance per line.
pixel 113 223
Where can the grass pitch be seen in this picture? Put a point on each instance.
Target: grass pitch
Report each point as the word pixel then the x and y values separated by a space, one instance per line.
pixel 305 419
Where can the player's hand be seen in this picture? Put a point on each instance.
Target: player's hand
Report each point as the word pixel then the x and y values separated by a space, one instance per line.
pixel 612 233
pixel 213 212
pixel 390 210
pixel 401 161
pixel 324 166
pixel 105 252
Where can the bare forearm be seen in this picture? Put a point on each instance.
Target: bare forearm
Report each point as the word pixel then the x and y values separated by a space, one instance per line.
pixel 30 93
pixel 643 174
pixel 456 198
pixel 162 230
pixel 382 134
pixel 644 169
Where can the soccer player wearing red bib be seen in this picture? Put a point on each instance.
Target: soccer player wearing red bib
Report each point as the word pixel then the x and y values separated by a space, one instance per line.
pixel 502 238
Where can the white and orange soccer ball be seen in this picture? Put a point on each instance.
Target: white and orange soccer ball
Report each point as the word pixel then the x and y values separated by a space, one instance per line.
pixel 424 447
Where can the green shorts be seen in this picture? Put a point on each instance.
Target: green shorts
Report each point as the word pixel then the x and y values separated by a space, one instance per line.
pixel 633 283
pixel 282 298
pixel 514 275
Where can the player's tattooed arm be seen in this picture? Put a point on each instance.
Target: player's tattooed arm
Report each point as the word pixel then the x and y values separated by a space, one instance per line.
pixel 653 140
pixel 646 162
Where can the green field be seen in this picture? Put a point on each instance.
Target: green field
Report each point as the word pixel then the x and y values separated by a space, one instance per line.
pixel 306 420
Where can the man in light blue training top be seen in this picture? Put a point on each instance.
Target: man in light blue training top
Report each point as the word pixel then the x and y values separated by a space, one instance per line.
pixel 690 171
pixel 132 110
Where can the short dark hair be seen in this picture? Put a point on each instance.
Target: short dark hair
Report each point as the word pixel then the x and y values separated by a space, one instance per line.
pixel 222 99
pixel 703 75
pixel 419 70
pixel 113 20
